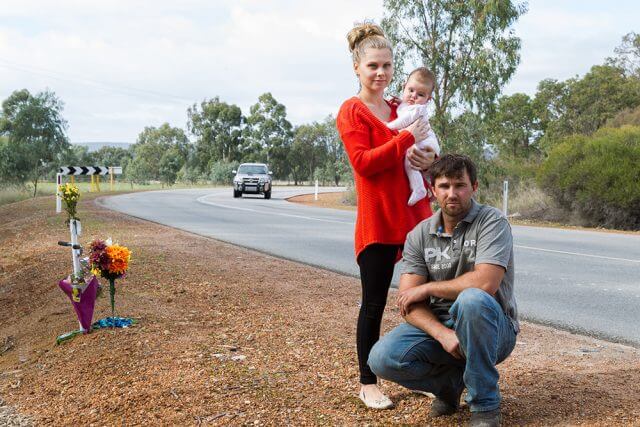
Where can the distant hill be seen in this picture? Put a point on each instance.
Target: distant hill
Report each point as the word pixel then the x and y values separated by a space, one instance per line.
pixel 95 146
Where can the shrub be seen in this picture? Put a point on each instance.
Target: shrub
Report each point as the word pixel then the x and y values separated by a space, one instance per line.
pixel 189 175
pixel 597 176
pixel 221 172
pixel 629 116
pixel 350 198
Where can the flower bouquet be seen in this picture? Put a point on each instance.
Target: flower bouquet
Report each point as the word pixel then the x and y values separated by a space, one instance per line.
pixel 70 194
pixel 109 261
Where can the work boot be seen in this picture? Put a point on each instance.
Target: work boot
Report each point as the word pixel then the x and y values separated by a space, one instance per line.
pixel 485 419
pixel 447 403
pixel 441 408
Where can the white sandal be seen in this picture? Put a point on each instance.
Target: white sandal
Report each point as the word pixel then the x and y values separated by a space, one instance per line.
pixel 424 393
pixel 382 403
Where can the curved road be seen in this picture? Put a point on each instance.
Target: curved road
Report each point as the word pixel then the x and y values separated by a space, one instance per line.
pixel 582 281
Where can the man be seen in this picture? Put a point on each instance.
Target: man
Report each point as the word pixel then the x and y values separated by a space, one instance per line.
pixel 456 295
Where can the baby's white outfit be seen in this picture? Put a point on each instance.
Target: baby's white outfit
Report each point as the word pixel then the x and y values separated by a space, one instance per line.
pixel 408 114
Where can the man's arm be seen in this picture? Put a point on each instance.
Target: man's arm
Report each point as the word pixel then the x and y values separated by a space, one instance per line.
pixel 484 276
pixel 420 315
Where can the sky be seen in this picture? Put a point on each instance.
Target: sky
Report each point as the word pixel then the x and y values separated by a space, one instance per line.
pixel 120 66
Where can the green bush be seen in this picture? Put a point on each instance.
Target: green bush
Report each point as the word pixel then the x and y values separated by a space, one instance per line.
pixel 629 116
pixel 221 172
pixel 597 176
pixel 493 172
pixel 189 175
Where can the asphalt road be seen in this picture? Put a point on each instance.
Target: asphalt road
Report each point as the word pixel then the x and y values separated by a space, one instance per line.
pixel 583 281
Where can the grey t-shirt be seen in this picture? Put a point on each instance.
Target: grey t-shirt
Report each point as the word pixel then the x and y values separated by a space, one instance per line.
pixel 482 237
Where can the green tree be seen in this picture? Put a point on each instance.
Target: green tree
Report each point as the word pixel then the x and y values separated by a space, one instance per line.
pixel 550 101
pixel 585 104
pixel 514 126
pixel 170 163
pixel 468 136
pixel 307 152
pixel 336 167
pixel 149 149
pixel 112 156
pixel 469 45
pixel 628 55
pixel 14 169
pixel 217 128
pixel 35 129
pixel 268 135
pixel 75 155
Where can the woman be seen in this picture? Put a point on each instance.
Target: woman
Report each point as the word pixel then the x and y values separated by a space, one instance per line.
pixel 383 219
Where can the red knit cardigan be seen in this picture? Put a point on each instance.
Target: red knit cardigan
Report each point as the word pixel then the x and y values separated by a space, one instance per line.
pixel 376 154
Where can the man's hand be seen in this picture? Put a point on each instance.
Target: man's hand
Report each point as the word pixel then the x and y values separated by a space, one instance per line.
pixel 420 159
pixel 411 296
pixel 450 343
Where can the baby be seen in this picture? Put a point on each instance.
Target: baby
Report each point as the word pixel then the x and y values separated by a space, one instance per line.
pixel 415 96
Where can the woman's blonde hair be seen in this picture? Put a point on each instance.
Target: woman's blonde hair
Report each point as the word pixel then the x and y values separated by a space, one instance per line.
pixel 364 36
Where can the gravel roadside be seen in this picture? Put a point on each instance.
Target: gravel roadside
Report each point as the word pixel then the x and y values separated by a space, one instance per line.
pixel 227 336
pixel 9 417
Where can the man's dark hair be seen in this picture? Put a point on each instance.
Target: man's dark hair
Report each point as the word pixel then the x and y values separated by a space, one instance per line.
pixel 453 166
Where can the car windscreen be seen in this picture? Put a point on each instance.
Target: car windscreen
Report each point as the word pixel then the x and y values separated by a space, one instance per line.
pixel 252 169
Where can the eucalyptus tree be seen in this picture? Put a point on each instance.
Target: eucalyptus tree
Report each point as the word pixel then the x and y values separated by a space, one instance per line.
pixel 268 135
pixel 628 54
pixel 35 131
pixel 148 151
pixel 469 45
pixel 514 127
pixel 216 126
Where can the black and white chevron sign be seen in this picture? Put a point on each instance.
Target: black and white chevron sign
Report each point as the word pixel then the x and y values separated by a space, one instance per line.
pixel 84 170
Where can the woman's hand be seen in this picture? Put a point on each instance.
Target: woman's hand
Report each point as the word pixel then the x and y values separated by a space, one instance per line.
pixel 420 159
pixel 419 129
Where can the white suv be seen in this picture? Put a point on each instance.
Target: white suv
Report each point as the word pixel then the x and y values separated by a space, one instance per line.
pixel 252 178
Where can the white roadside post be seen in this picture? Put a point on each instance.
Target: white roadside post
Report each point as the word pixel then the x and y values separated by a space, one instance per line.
pixel 315 196
pixel 58 195
pixel 114 170
pixel 76 230
pixel 505 197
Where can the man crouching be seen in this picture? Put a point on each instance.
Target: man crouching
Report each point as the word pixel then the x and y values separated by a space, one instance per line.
pixel 456 295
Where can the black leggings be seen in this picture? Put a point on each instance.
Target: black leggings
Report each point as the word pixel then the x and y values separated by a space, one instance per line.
pixel 376 270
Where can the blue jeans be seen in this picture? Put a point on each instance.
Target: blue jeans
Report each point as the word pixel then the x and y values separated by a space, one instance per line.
pixel 413 359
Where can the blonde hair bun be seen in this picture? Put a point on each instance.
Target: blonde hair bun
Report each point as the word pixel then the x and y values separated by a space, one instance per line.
pixel 366 35
pixel 361 32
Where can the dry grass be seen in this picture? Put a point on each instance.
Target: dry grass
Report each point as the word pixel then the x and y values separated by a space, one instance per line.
pixel 231 337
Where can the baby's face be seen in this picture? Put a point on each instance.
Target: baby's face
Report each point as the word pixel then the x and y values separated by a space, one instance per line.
pixel 416 92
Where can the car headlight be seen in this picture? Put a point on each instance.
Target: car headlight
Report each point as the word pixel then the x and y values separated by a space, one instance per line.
pixel 262 180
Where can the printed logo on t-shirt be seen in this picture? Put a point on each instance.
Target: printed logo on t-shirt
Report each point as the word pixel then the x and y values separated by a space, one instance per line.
pixel 436 253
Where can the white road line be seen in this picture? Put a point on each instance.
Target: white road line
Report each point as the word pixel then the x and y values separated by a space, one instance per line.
pixel 220 205
pixel 577 253
pixel 202 200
